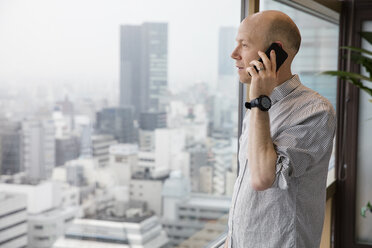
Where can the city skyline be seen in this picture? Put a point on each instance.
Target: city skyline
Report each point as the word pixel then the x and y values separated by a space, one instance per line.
pixel 59 44
pixel 166 176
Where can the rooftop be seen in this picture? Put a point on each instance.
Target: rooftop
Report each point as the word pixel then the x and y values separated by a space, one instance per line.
pixel 209 201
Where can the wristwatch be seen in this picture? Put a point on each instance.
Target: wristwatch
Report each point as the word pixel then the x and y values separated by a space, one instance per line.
pixel 262 102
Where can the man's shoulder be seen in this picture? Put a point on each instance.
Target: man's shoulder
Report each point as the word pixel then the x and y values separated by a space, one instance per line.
pixel 311 107
pixel 303 105
pixel 307 98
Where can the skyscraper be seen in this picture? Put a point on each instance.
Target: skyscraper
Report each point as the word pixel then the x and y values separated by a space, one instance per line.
pixel 143 67
pixel 226 44
pixel 198 158
pixel 39 148
pixel 10 148
pixel 67 148
pixel 133 90
pixel 224 101
pixel 117 122
pixel 152 121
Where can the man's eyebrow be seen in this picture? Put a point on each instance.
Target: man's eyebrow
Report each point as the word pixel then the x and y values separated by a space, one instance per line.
pixel 240 40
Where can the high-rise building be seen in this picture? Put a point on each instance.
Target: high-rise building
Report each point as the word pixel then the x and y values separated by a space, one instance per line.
pixel 123 157
pixel 11 156
pixel 206 179
pixel 146 140
pixel 148 190
pixel 66 109
pixel 147 124
pixel 224 103
pixel 226 45
pixel 67 148
pixel 75 174
pixel 163 151
pixel 222 114
pixel 151 121
pixel 143 67
pixel 100 148
pixel 117 122
pixel 39 148
pixel 86 141
pixel 13 220
pixel 222 159
pixel 133 90
pixel 198 158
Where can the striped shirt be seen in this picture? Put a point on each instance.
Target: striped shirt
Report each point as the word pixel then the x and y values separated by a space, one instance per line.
pixel 291 212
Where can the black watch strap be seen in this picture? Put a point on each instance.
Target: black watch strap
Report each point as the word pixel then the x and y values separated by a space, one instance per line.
pixel 262 102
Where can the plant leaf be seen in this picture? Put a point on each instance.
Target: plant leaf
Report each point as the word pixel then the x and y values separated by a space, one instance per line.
pixel 363 211
pixel 353 78
pixel 367 36
pixel 345 74
pixel 366 62
pixel 355 49
pixel 360 85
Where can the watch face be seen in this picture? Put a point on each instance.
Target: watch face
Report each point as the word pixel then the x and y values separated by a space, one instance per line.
pixel 265 102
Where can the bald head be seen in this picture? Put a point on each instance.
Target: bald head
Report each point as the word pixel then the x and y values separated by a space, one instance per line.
pixel 275 26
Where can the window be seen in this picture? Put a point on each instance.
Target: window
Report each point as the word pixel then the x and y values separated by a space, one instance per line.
pixel 42 238
pixel 102 95
pixel 318 52
pixel 38 227
pixel 69 219
pixel 363 184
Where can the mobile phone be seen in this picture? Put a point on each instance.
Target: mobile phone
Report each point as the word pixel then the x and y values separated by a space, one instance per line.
pixel 281 55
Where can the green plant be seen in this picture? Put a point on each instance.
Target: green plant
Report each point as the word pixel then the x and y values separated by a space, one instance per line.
pixel 363 211
pixel 358 57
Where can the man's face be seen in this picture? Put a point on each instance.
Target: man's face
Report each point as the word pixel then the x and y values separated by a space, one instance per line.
pixel 249 42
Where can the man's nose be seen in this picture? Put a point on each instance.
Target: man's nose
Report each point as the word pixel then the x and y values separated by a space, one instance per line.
pixel 235 54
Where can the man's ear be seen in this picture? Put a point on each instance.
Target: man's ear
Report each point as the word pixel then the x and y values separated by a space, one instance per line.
pixel 279 43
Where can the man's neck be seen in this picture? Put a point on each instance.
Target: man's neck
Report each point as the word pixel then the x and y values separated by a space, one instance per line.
pixel 283 77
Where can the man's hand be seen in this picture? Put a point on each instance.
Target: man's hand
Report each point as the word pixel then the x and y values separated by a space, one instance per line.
pixel 264 81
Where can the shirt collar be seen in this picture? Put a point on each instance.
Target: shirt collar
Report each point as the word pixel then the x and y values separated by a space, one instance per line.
pixel 284 89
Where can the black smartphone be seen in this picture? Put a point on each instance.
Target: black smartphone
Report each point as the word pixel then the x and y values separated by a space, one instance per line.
pixel 281 55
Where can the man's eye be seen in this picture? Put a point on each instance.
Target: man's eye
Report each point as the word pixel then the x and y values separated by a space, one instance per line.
pixel 244 45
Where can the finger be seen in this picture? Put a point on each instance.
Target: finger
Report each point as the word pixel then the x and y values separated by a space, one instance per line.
pixel 252 72
pixel 257 63
pixel 273 61
pixel 266 60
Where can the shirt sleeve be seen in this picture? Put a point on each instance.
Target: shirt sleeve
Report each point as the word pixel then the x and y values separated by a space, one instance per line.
pixel 304 143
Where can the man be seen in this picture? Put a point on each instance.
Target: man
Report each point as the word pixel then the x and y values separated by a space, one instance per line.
pixel 285 147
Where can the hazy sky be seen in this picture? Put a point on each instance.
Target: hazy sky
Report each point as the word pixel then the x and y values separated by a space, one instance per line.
pixel 78 40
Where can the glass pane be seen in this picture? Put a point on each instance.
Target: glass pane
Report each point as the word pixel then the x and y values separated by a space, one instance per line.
pixel 318 52
pixel 118 116
pixel 364 172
